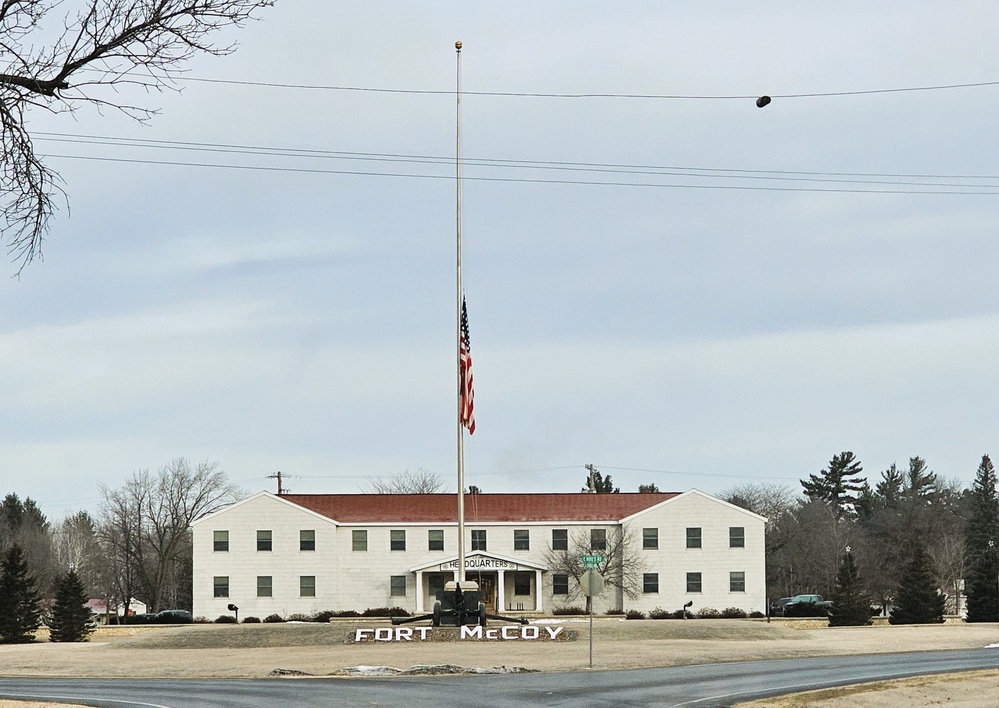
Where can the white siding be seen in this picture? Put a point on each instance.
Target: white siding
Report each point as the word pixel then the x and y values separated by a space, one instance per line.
pixel 357 580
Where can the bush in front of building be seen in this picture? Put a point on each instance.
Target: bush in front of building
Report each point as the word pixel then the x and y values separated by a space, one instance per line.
pixel 272 619
pixel 756 614
pixel 346 613
pixel 733 613
pixel 570 610
pixel 660 614
pixel 385 612
pixel 634 615
pixel 300 617
pixel 708 613
pixel 614 612
pixel 225 619
pixel 251 620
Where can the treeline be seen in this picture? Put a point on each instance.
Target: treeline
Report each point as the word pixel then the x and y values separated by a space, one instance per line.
pixel 137 547
pixel 907 516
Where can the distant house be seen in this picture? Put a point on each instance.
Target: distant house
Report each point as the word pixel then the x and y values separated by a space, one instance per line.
pixel 99 607
pixel 304 553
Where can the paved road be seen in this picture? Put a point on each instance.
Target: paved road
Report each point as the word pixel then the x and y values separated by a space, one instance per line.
pixel 700 686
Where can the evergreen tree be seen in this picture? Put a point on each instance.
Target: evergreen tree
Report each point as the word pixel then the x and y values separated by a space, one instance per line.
pixel 596 482
pixel 918 600
pixel 837 484
pixel 71 620
pixel 648 489
pixel 982 546
pixel 19 612
pixel 850 607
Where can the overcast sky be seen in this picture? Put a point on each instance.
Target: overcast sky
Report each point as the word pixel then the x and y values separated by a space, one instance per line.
pixel 735 295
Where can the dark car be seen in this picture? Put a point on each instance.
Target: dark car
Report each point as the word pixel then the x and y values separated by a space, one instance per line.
pixel 142 618
pixel 174 617
pixel 777 606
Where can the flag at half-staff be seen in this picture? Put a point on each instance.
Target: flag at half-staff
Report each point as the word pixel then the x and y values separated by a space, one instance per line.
pixel 467 393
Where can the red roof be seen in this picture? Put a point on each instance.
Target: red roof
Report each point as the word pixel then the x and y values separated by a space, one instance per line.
pixel 479 508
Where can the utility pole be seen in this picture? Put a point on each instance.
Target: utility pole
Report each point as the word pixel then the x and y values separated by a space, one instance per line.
pixel 591 482
pixel 277 476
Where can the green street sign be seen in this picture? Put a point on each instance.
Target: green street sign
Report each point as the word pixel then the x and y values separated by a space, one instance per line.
pixel 590 561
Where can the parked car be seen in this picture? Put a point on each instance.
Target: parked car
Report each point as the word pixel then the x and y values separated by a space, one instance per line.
pixel 807 606
pixel 777 607
pixel 174 617
pixel 141 618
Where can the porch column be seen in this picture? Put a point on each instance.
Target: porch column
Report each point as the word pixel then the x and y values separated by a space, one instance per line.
pixel 419 592
pixel 500 592
pixel 538 591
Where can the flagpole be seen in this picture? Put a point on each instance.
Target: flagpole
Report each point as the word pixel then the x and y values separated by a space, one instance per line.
pixel 461 436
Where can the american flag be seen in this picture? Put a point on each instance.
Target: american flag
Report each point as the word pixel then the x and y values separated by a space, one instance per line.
pixel 466 393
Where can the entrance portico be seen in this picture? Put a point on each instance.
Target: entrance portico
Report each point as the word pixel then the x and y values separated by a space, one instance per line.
pixel 507 584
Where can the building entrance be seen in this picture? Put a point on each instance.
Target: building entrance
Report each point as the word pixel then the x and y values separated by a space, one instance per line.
pixel 487 586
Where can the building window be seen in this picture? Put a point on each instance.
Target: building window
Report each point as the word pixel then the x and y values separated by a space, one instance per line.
pixel 737 581
pixel 521 539
pixel 221 586
pixel 359 540
pixel 398 583
pixel 650 582
pixel 522 583
pixel 307 586
pixel 560 584
pixel 397 540
pixel 263 540
pixel 650 539
pixel 560 539
pixel 478 539
pixel 435 540
pixel 736 536
pixel 264 586
pixel 598 539
pixel 307 540
pixel 693 537
pixel 220 541
pixel 693 582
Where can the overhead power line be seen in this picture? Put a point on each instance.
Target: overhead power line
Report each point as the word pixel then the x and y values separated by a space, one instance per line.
pixel 653 96
pixel 603 174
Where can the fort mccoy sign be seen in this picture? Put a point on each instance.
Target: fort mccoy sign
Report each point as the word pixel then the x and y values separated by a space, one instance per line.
pixel 475 633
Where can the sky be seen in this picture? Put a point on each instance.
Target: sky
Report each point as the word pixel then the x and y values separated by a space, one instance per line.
pixel 663 280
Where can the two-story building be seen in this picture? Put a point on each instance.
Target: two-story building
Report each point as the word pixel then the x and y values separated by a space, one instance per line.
pixel 305 553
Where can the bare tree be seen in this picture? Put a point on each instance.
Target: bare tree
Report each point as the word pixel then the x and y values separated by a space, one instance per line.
pixel 102 44
pixel 423 481
pixel 150 519
pixel 622 565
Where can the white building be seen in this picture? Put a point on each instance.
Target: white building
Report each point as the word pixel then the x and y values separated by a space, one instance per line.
pixel 305 553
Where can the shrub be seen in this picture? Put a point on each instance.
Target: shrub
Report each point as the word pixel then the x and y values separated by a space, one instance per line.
pixel 733 613
pixel 251 620
pixel 273 618
pixel 201 620
pixel 756 614
pixel 659 614
pixel 708 613
pixel 385 612
pixel 299 617
pixel 614 612
pixel 323 616
pixel 225 619
pixel 345 613
pixel 634 615
pixel 569 610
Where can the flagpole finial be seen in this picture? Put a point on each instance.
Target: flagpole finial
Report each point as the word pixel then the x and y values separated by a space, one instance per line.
pixel 457 46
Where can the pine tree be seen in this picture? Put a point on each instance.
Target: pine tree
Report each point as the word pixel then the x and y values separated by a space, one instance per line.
pixel 982 546
pixel 71 620
pixel 850 607
pixel 19 612
pixel 837 484
pixel 918 601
